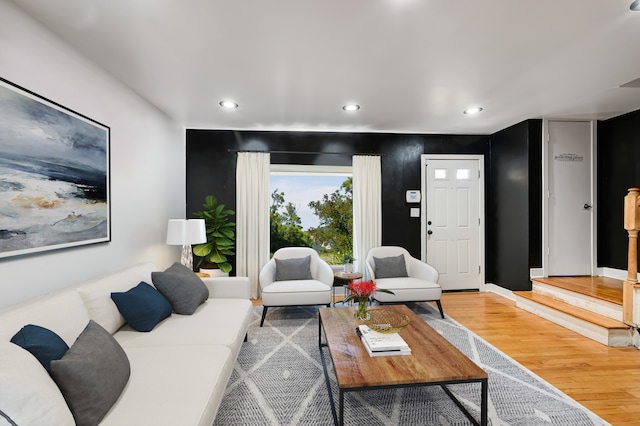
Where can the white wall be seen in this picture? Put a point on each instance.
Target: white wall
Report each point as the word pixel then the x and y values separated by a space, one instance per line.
pixel 147 162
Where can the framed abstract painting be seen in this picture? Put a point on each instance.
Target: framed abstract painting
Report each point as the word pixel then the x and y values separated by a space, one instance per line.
pixel 54 175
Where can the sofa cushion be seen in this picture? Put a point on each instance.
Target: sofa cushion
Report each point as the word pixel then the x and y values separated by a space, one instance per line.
pixel 42 343
pixel 390 267
pixel 97 294
pixel 216 322
pixel 298 268
pixel 191 383
pixel 181 287
pixel 92 374
pixel 142 306
pixel 63 313
pixel 28 395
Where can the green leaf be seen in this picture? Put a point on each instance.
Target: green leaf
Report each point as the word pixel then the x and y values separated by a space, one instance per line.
pixel 203 250
pixel 225 267
pixel 348 299
pixel 227 233
pixel 217 257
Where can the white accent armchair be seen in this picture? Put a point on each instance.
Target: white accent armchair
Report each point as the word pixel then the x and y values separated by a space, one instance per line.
pixel 288 279
pixel 410 279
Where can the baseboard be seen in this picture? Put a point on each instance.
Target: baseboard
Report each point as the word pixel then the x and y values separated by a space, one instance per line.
pixel 501 291
pixel 536 273
pixel 619 274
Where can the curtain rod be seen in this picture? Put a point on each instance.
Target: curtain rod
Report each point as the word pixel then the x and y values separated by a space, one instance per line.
pixel 374 154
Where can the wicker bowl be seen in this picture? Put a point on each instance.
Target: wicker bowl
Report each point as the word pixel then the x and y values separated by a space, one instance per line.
pixel 386 321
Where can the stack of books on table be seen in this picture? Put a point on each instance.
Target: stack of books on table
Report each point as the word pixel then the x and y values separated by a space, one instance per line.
pixel 380 344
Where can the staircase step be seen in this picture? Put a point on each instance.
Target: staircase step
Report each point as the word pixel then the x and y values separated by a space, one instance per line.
pixel 579 300
pixel 597 327
pixel 603 288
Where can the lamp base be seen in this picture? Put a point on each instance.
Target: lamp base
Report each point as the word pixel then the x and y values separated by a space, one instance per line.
pixel 187 256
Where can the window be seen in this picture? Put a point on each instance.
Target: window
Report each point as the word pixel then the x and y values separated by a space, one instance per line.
pixel 462 174
pixel 312 206
pixel 440 174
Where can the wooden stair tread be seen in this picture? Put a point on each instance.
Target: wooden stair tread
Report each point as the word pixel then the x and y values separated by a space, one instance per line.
pixel 603 288
pixel 576 312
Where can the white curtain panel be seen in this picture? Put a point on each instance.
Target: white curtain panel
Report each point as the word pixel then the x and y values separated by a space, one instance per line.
pixel 252 216
pixel 367 208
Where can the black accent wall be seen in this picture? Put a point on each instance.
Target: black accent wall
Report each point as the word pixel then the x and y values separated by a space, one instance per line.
pixel 618 170
pixel 514 192
pixel 512 157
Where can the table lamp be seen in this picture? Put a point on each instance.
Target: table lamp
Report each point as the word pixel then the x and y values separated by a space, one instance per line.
pixel 186 232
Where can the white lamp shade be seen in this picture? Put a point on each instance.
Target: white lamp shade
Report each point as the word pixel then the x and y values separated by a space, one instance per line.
pixel 186 231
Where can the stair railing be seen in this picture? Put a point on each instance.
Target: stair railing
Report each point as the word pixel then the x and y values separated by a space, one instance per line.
pixel 632 225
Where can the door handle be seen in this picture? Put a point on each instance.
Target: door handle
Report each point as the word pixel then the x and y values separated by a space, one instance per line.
pixel 586 206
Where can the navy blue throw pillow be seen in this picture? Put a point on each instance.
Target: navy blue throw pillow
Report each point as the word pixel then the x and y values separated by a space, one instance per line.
pixel 143 307
pixel 43 343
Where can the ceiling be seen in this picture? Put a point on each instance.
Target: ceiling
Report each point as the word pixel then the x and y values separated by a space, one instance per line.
pixel 412 65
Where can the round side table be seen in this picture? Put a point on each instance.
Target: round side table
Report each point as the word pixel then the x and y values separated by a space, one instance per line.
pixel 341 279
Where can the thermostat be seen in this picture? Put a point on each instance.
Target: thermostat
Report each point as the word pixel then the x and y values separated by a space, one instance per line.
pixel 413 196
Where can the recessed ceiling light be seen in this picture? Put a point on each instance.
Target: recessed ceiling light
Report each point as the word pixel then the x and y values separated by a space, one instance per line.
pixel 635 5
pixel 351 107
pixel 228 104
pixel 473 110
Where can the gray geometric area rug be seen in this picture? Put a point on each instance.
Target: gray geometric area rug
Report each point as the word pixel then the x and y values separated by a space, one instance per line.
pixel 279 380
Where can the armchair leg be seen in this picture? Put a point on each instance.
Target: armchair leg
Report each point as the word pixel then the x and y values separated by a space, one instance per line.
pixel 440 307
pixel 264 314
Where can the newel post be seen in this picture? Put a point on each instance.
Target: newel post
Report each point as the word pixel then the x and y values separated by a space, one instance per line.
pixel 632 225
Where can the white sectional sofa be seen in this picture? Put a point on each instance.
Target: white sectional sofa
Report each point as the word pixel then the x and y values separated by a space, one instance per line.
pixel 178 370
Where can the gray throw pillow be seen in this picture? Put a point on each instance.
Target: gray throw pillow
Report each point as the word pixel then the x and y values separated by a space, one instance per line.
pixel 181 287
pixel 92 374
pixel 390 267
pixel 298 268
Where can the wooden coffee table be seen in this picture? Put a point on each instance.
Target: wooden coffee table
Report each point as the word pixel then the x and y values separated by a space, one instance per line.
pixel 433 360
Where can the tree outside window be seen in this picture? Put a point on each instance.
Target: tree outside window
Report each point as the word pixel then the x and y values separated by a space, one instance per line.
pixel 326 204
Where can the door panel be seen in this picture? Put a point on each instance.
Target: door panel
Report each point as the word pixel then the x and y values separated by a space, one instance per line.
pixel 570 200
pixel 452 206
pixel 463 257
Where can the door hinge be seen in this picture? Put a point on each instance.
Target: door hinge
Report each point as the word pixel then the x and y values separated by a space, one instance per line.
pixel 479 269
pixel 478 174
pixel 478 221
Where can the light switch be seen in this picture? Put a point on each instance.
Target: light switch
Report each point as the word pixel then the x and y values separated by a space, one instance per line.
pixel 415 212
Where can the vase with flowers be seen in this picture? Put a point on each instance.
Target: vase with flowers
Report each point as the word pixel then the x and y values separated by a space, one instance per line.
pixel 362 291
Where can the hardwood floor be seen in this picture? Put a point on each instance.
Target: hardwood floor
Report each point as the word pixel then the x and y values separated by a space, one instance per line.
pixel 605 380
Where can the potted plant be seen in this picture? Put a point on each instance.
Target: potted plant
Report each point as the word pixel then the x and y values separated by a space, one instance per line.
pixel 220 237
pixel 347 260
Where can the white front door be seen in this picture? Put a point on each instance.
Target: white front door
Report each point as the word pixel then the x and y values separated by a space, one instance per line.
pixel 452 203
pixel 570 200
